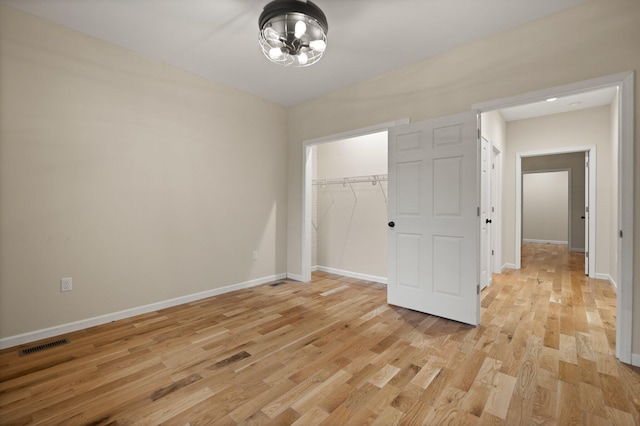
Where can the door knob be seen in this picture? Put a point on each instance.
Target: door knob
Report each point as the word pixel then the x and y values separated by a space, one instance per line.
pixel 488 221
pixel 581 217
pixel 392 224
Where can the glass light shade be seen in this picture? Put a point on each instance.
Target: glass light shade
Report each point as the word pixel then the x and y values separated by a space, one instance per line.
pixel 293 33
pixel 318 45
pixel 300 29
pixel 275 53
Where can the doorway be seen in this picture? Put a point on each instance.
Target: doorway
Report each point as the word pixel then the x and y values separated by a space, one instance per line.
pixel 350 207
pixel 622 134
pixel 546 207
pixel 307 187
pixel 582 181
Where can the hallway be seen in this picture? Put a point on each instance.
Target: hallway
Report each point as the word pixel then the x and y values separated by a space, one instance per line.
pixel 550 301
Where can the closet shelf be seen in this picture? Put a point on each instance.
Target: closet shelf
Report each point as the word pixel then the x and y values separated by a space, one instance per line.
pixel 372 179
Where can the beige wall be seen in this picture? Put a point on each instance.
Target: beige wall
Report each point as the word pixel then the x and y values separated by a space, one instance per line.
pixel 589 127
pixel 352 233
pixel 494 129
pixel 545 207
pixel 140 181
pixel 595 39
pixel 575 163
pixel 357 156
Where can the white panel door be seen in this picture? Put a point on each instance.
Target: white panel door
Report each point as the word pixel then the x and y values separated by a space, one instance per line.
pixel 485 213
pixel 433 217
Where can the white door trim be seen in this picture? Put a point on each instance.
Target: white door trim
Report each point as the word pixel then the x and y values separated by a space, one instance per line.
pixel 625 83
pixel 624 304
pixel 307 164
pixel 592 200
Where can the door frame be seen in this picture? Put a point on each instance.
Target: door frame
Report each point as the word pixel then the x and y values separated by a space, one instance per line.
pixel 625 83
pixel 307 177
pixel 592 200
pixel 569 194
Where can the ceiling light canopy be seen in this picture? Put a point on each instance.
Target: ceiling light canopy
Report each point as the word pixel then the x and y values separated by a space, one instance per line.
pixel 293 32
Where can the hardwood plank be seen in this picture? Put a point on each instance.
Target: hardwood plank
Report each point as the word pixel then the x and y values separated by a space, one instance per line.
pixel 544 403
pixel 314 416
pixel 568 407
pixel 614 396
pixel 592 400
pixel 500 396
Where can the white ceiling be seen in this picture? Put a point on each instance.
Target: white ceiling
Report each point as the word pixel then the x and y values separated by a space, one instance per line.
pixel 591 99
pixel 218 38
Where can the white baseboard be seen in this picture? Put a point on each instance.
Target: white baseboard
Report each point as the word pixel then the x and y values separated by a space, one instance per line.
pixel 605 277
pixel 560 243
pixel 33 336
pixel 635 360
pixel 577 250
pixel 357 275
pixel 294 277
pixel 509 266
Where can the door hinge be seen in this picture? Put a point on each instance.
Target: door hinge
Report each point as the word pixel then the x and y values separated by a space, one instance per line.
pixel 492 253
pixel 478 289
pixel 478 211
pixel 479 136
pixel 586 254
pixel 586 209
pixel 493 210
pixel 621 233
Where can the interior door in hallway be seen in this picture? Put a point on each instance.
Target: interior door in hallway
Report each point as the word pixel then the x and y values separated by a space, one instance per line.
pixel 485 212
pixel 433 213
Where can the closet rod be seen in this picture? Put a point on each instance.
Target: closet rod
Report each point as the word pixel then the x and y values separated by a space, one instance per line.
pixel 372 179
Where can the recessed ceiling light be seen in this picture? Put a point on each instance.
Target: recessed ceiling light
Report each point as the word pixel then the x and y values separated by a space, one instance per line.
pixel 552 99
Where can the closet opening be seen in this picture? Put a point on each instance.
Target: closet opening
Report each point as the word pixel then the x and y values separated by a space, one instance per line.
pixel 349 207
pixel 345 204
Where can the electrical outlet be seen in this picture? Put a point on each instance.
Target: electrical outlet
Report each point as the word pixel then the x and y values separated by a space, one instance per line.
pixel 255 255
pixel 66 284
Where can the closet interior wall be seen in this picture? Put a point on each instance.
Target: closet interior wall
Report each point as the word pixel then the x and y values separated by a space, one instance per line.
pixel 349 207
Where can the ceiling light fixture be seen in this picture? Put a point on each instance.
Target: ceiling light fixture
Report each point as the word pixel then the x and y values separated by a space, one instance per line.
pixel 293 32
pixel 552 99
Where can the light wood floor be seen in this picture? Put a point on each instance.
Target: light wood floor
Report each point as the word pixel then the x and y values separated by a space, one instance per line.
pixel 335 353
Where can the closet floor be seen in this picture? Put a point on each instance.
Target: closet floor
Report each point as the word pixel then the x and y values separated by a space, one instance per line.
pixel 333 352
